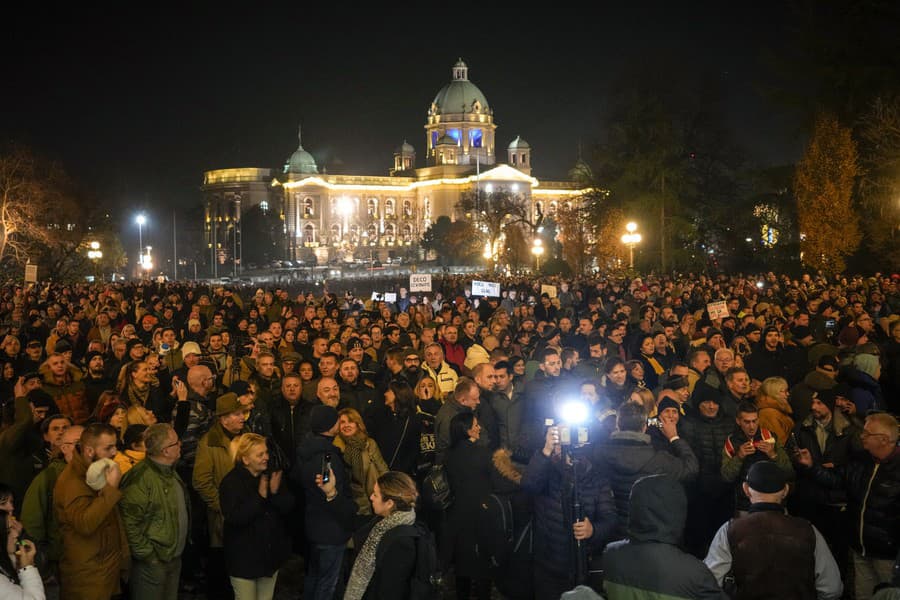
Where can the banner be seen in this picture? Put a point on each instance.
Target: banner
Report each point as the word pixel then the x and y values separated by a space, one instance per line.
pixel 717 310
pixel 485 288
pixel 420 283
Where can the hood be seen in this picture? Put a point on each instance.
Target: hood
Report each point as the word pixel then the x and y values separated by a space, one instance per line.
pixel 626 452
pixel 658 510
pixel 819 381
pixel 857 378
pixel 315 444
pixel 505 466
pixel 769 402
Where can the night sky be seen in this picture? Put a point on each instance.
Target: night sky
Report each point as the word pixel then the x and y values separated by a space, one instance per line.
pixel 138 104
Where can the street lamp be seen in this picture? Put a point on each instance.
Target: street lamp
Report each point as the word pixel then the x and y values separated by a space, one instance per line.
pixel 631 239
pixel 147 260
pixel 140 220
pixel 537 249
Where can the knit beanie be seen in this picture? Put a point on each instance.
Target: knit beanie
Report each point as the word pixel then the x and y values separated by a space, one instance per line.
pixel 867 363
pixel 826 397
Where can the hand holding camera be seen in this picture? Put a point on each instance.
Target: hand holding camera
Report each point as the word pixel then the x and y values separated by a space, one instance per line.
pixel 551 441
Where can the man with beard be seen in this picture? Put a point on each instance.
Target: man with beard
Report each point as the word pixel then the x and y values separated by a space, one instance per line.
pixel 68 393
pixel 95 379
pixel 354 392
pixel 94 549
pixel 767 359
pixel 484 376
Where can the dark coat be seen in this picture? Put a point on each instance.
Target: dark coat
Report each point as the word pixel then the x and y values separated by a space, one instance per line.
pixel 706 437
pixel 649 563
pixel 873 491
pixel 395 565
pixel 551 486
pixel 326 522
pixel 398 437
pixel 762 364
pixel 629 455
pixel 290 427
pixel 469 472
pixel 256 540
pixel 843 441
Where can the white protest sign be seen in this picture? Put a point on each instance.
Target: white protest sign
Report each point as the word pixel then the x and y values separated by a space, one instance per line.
pixel 486 288
pixel 717 310
pixel 550 290
pixel 420 282
pixel 390 296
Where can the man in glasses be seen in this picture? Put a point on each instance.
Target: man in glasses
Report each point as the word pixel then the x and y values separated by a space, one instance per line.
pixel 872 483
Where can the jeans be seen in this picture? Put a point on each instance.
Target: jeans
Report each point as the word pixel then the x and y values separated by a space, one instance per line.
pixel 869 572
pixel 155 579
pixel 324 569
pixel 254 589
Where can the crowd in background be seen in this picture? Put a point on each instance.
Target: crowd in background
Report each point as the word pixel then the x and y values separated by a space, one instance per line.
pixel 159 437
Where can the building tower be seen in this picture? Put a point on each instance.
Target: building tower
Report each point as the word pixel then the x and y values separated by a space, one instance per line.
pixel 519 152
pixel 460 115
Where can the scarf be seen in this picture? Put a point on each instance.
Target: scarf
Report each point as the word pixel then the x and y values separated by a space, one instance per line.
pixel 137 396
pixel 657 368
pixel 353 451
pixel 364 566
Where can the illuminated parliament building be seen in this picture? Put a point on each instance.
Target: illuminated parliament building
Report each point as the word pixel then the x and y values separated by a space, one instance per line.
pixel 335 216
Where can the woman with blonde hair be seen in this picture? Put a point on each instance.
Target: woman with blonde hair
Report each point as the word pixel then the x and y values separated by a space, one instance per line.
pixel 387 560
pixel 254 504
pixel 362 455
pixel 775 412
pixel 139 415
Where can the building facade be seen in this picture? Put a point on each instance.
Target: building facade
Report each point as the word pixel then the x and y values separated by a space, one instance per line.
pixel 335 217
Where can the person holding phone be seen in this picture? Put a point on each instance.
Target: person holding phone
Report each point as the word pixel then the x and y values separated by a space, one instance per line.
pixel 330 508
pixel 19 578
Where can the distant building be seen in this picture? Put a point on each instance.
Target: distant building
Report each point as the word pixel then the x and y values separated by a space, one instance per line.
pixel 335 217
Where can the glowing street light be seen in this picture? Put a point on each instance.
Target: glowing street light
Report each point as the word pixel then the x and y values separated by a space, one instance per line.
pixel 140 220
pixel 631 239
pixel 95 253
pixel 537 249
pixel 147 260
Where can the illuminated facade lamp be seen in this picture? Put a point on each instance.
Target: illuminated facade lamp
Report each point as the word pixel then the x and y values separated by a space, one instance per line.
pixel 631 239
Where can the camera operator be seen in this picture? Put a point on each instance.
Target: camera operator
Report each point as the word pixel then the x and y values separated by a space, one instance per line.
pixel 564 483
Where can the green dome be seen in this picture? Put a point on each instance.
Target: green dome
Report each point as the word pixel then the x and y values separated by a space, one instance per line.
pixel 460 95
pixel 519 144
pixel 405 148
pixel 301 161
pixel 446 140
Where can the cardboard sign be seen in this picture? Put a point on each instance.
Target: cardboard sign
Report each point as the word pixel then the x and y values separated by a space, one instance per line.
pixel 486 288
pixel 420 283
pixel 30 273
pixel 717 310
pixel 550 290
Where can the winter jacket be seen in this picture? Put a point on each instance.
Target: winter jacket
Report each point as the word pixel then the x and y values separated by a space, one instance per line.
pixel 551 486
pixel 329 523
pixel 257 542
pixel 150 511
pixel 358 396
pixel 734 468
pixel 469 473
pixel 38 516
pixel 873 490
pixel 762 364
pixel 290 424
pixel 843 441
pixel 364 475
pixel 706 437
pixel 213 463
pixel 864 391
pixel 398 437
pixel 18 443
pixel 629 455
pixel 649 565
pixel 445 414
pixel 95 550
pixel 775 416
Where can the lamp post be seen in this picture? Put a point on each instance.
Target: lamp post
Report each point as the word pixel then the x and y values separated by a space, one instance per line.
pixel 631 239
pixel 537 249
pixel 140 220
pixel 95 254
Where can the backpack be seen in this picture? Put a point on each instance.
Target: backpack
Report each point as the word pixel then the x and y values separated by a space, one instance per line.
pixel 500 538
pixel 436 492
pixel 427 578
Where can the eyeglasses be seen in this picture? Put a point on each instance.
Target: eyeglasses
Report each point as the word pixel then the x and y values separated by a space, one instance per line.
pixel 175 443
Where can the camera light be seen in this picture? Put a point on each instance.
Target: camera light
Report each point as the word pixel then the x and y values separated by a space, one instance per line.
pixel 574 413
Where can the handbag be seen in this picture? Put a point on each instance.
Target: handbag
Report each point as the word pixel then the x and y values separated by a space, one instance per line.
pixel 436 492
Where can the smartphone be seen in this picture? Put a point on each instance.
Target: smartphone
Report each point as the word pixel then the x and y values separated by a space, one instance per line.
pixel 326 467
pixel 653 422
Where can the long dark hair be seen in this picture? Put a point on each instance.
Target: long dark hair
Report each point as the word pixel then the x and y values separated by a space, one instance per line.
pixel 460 425
pixel 6 565
pixel 405 397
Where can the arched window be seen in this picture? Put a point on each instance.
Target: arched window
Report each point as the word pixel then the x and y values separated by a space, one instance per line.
pixel 308 210
pixel 372 231
pixel 390 234
pixel 538 209
pixel 354 234
pixel 372 208
pixel 389 207
pixel 407 233
pixel 335 233
pixel 309 233
pixel 407 208
pixel 553 207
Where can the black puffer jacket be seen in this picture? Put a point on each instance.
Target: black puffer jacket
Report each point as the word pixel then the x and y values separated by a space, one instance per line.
pixel 706 437
pixel 649 564
pixel 629 455
pixel 256 541
pixel 551 486
pixel 874 487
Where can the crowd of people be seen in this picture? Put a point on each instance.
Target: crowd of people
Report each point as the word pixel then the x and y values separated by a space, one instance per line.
pixel 676 436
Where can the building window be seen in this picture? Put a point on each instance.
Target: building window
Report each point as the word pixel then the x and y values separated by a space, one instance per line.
pixel 407 233
pixel 426 206
pixel 309 234
pixel 475 138
pixel 407 208
pixel 372 232
pixel 335 233
pixel 389 207
pixel 264 206
pixel 372 208
pixel 513 159
pixel 308 210
pixel 389 234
